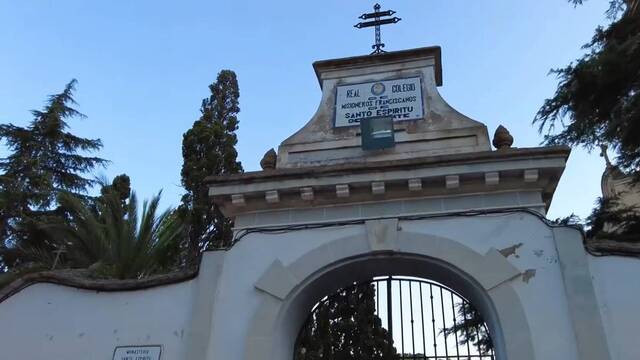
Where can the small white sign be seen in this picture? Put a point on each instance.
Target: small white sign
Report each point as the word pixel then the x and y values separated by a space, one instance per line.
pixel 400 98
pixel 144 352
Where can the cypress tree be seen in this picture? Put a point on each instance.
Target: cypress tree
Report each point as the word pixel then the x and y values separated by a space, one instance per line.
pixel 44 161
pixel 208 148
pixel 345 326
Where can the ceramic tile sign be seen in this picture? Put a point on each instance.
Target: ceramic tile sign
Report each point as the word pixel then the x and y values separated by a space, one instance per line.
pixel 144 352
pixel 400 98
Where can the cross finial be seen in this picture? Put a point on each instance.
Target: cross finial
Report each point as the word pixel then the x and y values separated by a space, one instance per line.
pixel 377 21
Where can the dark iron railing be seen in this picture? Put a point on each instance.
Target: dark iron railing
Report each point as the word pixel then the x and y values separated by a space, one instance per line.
pixel 414 312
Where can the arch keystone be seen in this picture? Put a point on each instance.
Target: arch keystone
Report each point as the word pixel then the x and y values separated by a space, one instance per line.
pixel 382 234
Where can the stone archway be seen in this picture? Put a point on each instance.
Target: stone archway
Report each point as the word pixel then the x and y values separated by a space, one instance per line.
pixel 290 291
pixel 394 317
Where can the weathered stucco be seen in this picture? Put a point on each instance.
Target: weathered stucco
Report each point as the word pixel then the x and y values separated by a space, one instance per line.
pixel 225 313
pixel 443 130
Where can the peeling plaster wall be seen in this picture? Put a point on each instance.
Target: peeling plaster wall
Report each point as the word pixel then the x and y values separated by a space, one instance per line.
pixel 617 283
pixel 542 293
pixel 244 265
pixel 212 316
pixel 46 321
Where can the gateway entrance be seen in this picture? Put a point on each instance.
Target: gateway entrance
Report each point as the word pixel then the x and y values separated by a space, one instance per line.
pixel 394 317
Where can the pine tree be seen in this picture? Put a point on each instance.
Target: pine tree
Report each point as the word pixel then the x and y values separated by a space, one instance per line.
pixel 208 148
pixel 597 101
pixel 45 160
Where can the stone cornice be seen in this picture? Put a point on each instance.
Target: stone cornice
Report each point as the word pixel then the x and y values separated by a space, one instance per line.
pixel 452 159
pixel 490 171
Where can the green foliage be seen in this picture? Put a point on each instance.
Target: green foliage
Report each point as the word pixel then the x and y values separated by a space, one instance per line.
pixel 117 241
pixel 615 6
pixel 571 220
pixel 45 160
pixel 345 327
pixel 471 329
pixel 598 98
pixel 611 220
pixel 208 148
pixel 120 188
pixel 107 235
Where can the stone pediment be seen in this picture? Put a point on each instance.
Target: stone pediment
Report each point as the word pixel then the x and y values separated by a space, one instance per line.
pixel 432 127
pixel 439 156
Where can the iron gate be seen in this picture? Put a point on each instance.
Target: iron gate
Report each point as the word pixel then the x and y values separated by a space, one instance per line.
pixel 421 320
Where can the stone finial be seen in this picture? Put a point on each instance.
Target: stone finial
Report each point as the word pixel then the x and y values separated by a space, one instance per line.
pixel 502 139
pixel 268 161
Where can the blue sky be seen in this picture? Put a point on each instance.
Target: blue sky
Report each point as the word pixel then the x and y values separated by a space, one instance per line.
pixel 143 67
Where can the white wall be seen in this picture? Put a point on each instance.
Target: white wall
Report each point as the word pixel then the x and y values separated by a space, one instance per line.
pixel 46 321
pixel 617 283
pixel 543 295
pixel 210 317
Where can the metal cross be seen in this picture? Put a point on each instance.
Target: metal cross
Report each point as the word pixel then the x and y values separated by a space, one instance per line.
pixel 377 16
